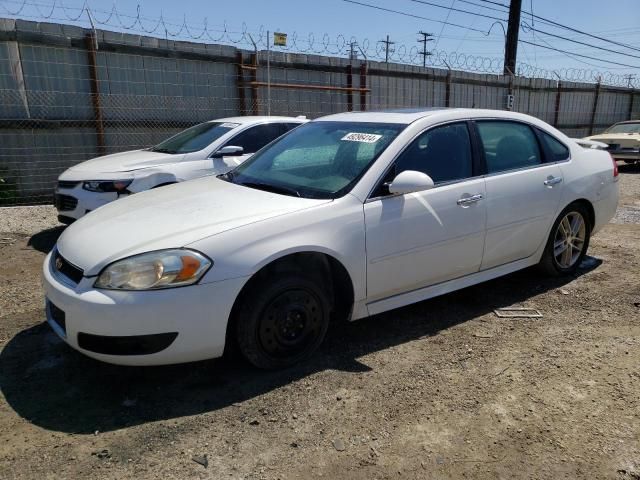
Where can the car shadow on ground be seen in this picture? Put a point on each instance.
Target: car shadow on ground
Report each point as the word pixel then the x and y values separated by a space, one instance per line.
pixel 56 388
pixel 629 168
pixel 45 240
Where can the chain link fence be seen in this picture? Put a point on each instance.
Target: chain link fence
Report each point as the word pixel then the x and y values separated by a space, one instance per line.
pixel 68 94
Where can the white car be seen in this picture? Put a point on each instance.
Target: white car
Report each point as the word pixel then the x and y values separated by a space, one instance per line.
pixel 346 216
pixel 208 148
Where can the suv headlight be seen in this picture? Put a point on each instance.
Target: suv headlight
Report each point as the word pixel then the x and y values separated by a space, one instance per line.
pixel 154 270
pixel 104 186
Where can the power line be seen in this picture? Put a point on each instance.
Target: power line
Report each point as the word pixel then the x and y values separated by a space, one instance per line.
pixel 412 15
pixel 578 54
pixel 578 41
pixel 468 12
pixel 442 28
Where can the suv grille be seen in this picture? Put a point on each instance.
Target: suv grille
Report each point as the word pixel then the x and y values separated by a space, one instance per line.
pixel 65 202
pixel 67 184
pixel 60 265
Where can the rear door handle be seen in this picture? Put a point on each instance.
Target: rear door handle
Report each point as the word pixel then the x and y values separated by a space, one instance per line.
pixel 471 199
pixel 551 181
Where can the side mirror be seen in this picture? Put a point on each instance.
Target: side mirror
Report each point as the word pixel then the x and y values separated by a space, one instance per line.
pixel 410 181
pixel 228 151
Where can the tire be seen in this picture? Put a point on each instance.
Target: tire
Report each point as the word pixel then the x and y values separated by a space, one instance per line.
pixel 557 260
pixel 282 322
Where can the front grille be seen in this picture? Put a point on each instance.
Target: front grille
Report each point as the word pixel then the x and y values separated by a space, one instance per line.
pixel 62 266
pixel 65 203
pixel 58 316
pixel 67 184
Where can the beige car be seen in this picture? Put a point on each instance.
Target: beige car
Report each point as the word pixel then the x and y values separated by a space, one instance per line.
pixel 623 139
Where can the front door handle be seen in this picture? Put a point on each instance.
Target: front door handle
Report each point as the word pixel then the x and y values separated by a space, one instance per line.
pixel 466 201
pixel 551 181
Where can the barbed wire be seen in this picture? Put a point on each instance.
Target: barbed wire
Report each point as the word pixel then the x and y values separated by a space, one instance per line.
pixel 338 45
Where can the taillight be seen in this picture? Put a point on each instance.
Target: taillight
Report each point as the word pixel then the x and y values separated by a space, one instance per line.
pixel 615 167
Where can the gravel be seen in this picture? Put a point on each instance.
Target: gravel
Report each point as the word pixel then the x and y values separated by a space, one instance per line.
pixel 28 220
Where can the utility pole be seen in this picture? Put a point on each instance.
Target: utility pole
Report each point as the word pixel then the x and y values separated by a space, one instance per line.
pixel 511 43
pixel 387 44
pixel 630 77
pixel 423 41
pixel 353 54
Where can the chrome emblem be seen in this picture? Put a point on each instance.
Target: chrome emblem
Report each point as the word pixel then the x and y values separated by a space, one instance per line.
pixel 58 263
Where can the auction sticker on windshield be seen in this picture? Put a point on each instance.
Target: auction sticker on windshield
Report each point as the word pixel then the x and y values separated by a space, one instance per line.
pixel 229 125
pixel 362 137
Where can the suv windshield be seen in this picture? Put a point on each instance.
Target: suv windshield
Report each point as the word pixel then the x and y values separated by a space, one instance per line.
pixel 318 159
pixel 194 138
pixel 625 128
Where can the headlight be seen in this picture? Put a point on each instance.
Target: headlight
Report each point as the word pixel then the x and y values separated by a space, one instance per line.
pixel 103 186
pixel 154 270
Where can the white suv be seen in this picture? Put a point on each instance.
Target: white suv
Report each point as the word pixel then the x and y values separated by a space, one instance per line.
pixel 208 148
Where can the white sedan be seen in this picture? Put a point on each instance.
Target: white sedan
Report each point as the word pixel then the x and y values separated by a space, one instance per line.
pixel 345 217
pixel 208 148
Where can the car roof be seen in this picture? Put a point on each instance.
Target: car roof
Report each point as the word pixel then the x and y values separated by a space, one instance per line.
pixel 410 115
pixel 260 119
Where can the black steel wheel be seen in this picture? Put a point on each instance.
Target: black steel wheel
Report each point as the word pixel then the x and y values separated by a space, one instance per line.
pixel 282 322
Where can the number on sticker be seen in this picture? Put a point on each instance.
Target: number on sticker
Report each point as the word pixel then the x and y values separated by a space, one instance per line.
pixel 362 137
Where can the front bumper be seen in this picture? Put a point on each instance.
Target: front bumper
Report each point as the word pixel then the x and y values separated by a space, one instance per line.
pixel 177 325
pixel 75 202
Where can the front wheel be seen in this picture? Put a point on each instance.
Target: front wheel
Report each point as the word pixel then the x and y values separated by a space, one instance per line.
pixel 282 322
pixel 568 241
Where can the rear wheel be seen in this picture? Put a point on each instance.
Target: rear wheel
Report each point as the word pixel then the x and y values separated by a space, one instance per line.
pixel 568 241
pixel 282 322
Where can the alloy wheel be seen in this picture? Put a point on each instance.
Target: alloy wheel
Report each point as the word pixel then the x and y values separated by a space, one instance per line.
pixel 569 240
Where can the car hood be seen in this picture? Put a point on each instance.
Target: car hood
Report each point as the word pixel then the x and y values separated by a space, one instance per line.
pixel 169 217
pixel 121 162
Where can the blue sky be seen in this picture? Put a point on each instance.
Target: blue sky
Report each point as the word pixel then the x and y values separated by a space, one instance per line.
pixel 618 20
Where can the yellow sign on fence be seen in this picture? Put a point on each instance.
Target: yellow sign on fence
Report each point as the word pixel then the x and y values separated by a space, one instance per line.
pixel 280 39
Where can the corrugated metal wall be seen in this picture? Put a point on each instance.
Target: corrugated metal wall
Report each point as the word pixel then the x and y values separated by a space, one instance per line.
pixel 148 88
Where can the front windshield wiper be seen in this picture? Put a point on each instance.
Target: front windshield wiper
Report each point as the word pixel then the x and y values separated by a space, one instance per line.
pixel 271 188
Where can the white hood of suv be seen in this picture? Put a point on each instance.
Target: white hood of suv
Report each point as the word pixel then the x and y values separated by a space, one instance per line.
pixel 169 217
pixel 121 162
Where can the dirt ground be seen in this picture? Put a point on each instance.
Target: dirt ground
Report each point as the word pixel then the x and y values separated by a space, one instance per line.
pixel 443 389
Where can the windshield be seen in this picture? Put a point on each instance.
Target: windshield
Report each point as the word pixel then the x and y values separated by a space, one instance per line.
pixel 195 138
pixel 318 159
pixel 625 128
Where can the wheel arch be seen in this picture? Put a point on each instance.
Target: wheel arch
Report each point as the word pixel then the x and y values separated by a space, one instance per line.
pixel 588 206
pixel 324 266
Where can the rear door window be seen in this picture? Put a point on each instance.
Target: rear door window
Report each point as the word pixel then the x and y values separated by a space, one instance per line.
pixel 508 145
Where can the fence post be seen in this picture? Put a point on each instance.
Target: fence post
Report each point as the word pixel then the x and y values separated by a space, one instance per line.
pixel 631 104
pixel 363 85
pixel 90 43
pixel 240 83
pixel 557 111
pixel 447 90
pixel 595 108
pixel 349 85
pixel 254 80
